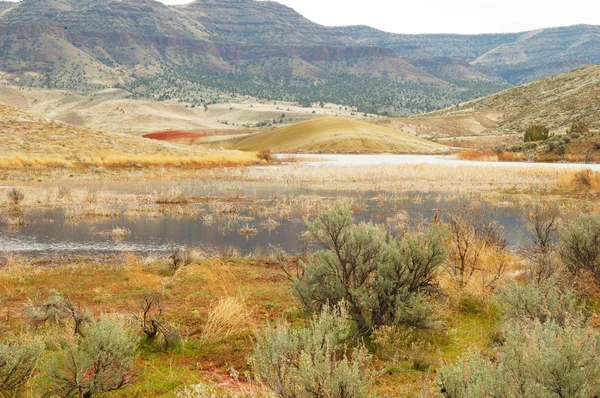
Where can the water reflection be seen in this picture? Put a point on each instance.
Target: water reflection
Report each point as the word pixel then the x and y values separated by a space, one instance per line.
pixel 50 231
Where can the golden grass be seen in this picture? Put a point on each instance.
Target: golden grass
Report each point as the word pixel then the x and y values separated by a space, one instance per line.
pixel 490 155
pixel 225 158
pixel 30 140
pixel 331 134
pixel 581 180
pixel 463 179
pixel 228 316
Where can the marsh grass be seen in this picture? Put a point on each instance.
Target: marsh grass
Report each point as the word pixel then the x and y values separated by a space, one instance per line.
pixel 172 196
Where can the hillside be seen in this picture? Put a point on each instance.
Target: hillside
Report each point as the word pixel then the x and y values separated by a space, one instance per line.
pixel 330 135
pixel 33 140
pixel 515 57
pixel 199 52
pixel 114 110
pixel 502 118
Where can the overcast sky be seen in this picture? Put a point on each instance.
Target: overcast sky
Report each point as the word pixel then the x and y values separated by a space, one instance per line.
pixel 447 16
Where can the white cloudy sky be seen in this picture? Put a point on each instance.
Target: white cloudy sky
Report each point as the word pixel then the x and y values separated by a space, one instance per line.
pixel 447 16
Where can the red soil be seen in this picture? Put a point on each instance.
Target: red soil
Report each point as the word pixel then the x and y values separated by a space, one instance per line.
pixel 175 136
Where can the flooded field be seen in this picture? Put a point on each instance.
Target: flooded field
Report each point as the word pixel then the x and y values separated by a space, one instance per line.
pixel 251 222
pixel 255 209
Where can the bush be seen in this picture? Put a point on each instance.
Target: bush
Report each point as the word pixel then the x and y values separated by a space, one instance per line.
pixel 312 362
pixel 15 196
pixel 102 361
pixel 265 155
pixel 17 363
pixel 383 281
pixel 579 127
pixel 537 360
pixel 543 221
pixel 580 245
pixel 536 132
pixel 542 302
pixel 584 179
pixel 399 344
pixel 210 391
pixel 56 310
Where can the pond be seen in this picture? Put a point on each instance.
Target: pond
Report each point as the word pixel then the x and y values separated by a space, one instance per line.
pixel 251 228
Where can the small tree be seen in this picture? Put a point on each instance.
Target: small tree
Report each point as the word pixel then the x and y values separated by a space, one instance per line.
pixel 102 361
pixel 536 132
pixel 579 127
pixel 314 361
pixel 15 197
pixel 17 363
pixel 543 221
pixel 149 320
pixel 580 245
pixel 469 239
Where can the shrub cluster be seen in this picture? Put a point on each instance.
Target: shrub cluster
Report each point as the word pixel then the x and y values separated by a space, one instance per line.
pixel 384 281
pixel 315 361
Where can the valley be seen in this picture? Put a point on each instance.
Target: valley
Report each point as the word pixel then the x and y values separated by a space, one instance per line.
pixel 225 199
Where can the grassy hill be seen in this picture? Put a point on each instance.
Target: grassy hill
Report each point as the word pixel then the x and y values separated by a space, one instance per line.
pixel 114 110
pixel 33 140
pixel 502 118
pixel 330 135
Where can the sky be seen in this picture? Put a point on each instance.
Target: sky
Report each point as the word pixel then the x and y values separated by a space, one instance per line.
pixel 447 16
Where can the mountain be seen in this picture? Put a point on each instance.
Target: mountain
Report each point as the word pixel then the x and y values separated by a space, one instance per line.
pixel 502 118
pixel 198 52
pixel 330 134
pixel 515 57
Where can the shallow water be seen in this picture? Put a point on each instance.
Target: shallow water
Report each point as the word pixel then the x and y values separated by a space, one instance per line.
pixel 445 160
pixel 50 232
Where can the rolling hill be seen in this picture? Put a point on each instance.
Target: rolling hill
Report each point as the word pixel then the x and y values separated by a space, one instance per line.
pixel 33 140
pixel 197 52
pixel 114 110
pixel 501 118
pixel 329 135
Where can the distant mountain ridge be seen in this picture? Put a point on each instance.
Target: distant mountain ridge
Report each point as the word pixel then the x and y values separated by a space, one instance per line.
pixel 267 50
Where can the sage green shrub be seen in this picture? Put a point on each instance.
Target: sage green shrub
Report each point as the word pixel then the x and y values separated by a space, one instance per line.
pixel 541 302
pixel 100 360
pixel 580 245
pixel 537 360
pixel 17 364
pixel 316 361
pixel 384 281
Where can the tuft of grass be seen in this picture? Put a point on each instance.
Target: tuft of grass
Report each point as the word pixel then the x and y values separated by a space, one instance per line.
pixel 228 316
pixel 172 196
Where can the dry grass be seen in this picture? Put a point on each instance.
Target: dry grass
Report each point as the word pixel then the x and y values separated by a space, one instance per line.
pixel 30 140
pixel 228 316
pixel 333 135
pixel 172 196
pixel 490 155
pixel 405 178
pixel 581 180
